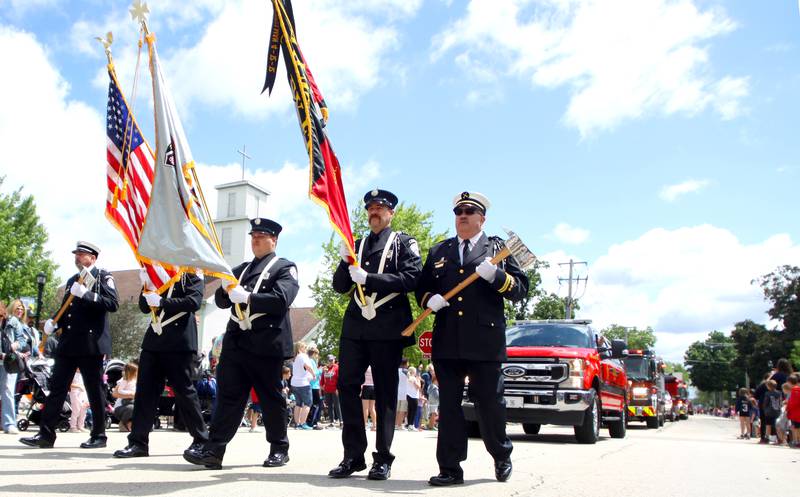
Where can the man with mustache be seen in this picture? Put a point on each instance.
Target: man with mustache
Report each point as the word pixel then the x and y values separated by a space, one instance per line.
pixel 84 341
pixel 388 268
pixel 469 337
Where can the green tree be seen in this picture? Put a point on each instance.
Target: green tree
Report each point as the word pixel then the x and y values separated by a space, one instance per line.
pixel 524 309
pixel 127 327
pixel 710 363
pixel 782 288
pixel 22 253
pixel 675 367
pixel 551 306
pixel 330 306
pixel 637 338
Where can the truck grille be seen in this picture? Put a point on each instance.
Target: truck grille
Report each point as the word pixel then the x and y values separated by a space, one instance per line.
pixel 533 372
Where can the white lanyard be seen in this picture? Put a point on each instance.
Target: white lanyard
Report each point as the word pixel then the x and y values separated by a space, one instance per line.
pixel 246 322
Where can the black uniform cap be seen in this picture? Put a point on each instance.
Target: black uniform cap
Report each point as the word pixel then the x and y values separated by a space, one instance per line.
pixel 264 225
pixel 384 197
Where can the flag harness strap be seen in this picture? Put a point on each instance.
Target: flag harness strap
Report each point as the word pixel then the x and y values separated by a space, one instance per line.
pixel 246 322
pixel 371 303
pixel 158 326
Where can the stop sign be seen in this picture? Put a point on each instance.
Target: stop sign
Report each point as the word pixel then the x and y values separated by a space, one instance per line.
pixel 426 342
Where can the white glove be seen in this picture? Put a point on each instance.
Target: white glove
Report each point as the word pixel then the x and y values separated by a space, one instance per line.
pixel 153 299
pixel 358 275
pixel 344 252
pixel 49 327
pixel 239 295
pixel 487 270
pixel 437 302
pixel 145 279
pixel 78 289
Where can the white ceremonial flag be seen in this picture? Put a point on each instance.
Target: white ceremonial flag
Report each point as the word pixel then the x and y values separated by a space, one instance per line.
pixel 178 231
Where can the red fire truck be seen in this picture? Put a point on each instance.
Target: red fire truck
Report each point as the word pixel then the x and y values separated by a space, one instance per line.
pixel 646 387
pixel 680 396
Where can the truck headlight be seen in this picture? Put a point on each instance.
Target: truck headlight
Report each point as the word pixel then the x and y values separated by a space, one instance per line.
pixel 640 392
pixel 575 377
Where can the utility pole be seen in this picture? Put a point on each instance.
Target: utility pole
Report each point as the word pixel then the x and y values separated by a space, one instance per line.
pixel 243 153
pixel 577 279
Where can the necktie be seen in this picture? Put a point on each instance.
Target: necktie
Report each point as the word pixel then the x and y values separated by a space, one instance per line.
pixel 465 253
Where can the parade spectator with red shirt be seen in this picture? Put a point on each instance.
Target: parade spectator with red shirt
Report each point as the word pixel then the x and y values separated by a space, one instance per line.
pixel 330 379
pixel 793 409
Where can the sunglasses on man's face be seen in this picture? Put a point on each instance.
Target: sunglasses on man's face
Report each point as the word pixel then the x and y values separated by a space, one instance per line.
pixel 468 211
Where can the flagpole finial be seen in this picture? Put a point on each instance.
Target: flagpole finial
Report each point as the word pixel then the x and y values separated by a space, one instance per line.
pixel 106 41
pixel 139 11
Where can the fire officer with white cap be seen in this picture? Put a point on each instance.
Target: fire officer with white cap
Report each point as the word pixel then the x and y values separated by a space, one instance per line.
pixel 84 341
pixel 388 268
pixel 469 336
pixel 257 340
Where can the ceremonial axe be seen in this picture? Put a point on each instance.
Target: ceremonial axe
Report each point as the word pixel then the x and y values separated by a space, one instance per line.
pixel 85 278
pixel 511 247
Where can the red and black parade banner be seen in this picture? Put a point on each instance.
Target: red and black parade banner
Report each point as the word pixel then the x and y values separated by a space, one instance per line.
pixel 325 175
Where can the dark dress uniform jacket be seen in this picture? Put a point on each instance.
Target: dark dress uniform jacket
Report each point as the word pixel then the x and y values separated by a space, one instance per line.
pixel 271 335
pixel 400 274
pixel 473 326
pixel 181 334
pixel 84 325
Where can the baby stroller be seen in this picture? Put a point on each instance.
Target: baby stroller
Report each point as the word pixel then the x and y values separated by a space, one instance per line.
pixel 37 373
pixel 112 374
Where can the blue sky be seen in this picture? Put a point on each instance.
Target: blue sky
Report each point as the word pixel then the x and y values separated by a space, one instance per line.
pixel 652 138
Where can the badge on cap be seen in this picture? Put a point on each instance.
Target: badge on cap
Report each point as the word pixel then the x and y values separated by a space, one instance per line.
pixel 374 192
pixel 257 221
pixel 464 195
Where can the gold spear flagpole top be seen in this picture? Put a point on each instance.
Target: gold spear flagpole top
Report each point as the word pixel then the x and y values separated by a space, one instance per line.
pixel 139 11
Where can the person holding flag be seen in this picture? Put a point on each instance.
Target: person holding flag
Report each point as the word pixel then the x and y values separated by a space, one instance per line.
pixel 255 345
pixel 390 267
pixel 168 350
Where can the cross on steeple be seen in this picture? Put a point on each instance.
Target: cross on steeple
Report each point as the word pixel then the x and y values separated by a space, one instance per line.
pixel 243 153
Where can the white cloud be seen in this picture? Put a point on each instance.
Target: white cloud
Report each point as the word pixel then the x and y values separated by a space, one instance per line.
pixel 223 65
pixel 672 192
pixel 621 60
pixel 572 235
pixel 684 282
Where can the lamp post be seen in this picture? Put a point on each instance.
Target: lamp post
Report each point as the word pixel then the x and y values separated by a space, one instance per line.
pixel 41 278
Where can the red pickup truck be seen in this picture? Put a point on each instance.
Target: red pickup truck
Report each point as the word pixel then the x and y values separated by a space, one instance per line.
pixel 562 372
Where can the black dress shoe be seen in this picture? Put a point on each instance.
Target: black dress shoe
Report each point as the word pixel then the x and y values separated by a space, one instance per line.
pixel 275 460
pixel 203 458
pixel 347 467
pixel 132 451
pixel 502 469
pixel 195 446
pixel 37 441
pixel 445 480
pixel 380 471
pixel 94 443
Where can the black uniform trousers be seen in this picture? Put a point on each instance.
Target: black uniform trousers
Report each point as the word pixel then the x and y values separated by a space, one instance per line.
pixel 237 372
pixel 384 358
pixel 486 390
pixel 91 368
pixel 154 368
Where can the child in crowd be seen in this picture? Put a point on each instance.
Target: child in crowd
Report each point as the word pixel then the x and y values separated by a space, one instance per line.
pixel 433 402
pixel 793 408
pixel 772 409
pixel 253 410
pixel 743 410
pixel 79 403
pixel 124 392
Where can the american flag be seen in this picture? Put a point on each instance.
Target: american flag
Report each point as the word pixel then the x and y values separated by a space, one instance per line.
pixel 129 176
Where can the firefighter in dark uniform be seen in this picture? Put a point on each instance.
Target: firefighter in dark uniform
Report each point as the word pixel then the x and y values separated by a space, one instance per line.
pixel 388 268
pixel 256 343
pixel 83 343
pixel 469 336
pixel 168 349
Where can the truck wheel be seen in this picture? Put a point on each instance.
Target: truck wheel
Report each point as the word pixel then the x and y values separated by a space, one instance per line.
pixel 589 431
pixel 616 429
pixel 661 420
pixel 531 428
pixel 473 429
pixel 652 422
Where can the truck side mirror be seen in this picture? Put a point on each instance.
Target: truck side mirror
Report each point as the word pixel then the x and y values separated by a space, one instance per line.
pixel 619 349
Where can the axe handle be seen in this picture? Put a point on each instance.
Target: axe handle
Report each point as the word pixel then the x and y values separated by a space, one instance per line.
pixel 66 303
pixel 455 290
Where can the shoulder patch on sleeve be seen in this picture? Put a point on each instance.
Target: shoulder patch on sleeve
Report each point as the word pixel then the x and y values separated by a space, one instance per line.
pixel 110 281
pixel 293 272
pixel 413 246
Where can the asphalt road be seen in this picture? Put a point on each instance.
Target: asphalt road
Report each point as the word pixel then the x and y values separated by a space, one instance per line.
pixel 700 456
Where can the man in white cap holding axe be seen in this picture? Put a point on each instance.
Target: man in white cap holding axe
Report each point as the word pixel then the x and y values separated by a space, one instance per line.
pixel 469 336
pixel 84 341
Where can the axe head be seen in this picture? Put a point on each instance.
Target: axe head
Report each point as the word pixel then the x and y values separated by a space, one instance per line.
pixel 519 251
pixel 86 278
